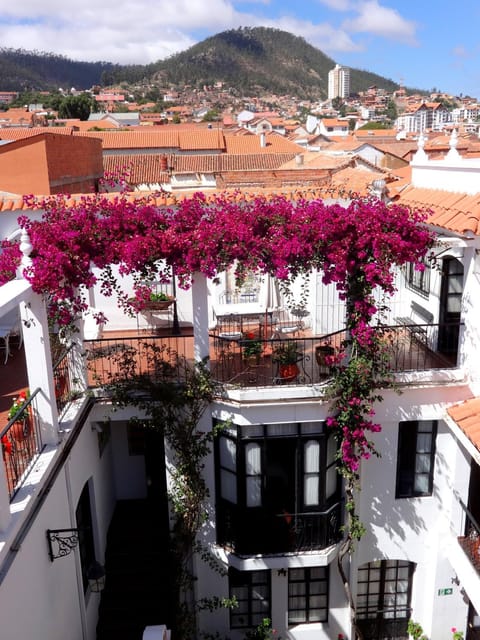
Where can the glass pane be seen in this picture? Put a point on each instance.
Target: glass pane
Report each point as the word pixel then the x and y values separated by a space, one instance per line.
pixel 228 454
pixel 297 589
pixel 297 603
pixel 317 615
pixel 253 464
pixel 282 429
pixel 318 601
pixel 228 483
pixel 424 442
pixel 312 427
pixel 252 431
pixel 312 457
pixel 318 587
pixel 296 574
pixel 241 593
pixel 421 484
pixel 254 491
pixel 318 573
pixel 311 491
pixel 331 482
pixel 422 463
pixel 296 617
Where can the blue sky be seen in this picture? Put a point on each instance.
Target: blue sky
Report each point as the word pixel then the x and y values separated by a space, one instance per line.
pixel 421 43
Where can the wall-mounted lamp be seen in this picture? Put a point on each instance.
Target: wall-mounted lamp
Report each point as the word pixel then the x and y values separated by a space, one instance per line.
pixel 281 572
pixel 61 542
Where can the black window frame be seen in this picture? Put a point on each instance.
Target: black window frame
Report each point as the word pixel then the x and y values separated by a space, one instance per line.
pixel 305 576
pixel 418 280
pixel 252 582
pixel 376 619
pixel 409 466
pixel 86 545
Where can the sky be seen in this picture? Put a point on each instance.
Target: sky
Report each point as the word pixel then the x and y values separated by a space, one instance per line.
pixel 425 44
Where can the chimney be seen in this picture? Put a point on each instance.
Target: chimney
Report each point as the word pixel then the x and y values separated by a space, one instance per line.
pixel 299 159
pixel 263 141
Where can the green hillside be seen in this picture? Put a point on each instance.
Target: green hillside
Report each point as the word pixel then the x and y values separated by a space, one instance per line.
pixel 252 61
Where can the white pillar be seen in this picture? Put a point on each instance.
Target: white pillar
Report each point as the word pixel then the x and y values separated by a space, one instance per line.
pixel 39 365
pixel 200 316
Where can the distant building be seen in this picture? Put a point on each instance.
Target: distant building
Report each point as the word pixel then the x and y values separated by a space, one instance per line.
pixel 338 82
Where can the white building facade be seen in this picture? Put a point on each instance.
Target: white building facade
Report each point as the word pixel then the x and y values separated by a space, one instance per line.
pixel 277 505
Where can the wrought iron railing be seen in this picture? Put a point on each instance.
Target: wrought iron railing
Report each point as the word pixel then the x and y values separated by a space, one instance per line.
pixel 63 378
pixel 253 531
pixel 245 359
pixel 21 443
pixel 470 542
pixel 114 360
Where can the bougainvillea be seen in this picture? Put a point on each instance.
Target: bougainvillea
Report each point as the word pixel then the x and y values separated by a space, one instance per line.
pixel 355 247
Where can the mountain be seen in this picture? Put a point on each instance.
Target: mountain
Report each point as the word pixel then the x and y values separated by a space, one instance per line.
pixel 251 60
pixel 22 70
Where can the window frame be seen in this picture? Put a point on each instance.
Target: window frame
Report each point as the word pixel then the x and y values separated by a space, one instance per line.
pixel 408 461
pixel 417 280
pixel 309 582
pixel 249 580
pixel 371 617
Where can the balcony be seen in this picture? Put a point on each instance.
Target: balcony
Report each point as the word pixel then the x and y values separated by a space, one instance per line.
pixel 258 531
pixel 470 542
pixel 245 359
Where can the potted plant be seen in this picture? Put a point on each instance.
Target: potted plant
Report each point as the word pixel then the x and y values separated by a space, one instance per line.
pixel 286 354
pixel 150 300
pixel 323 354
pixel 22 427
pixel 252 347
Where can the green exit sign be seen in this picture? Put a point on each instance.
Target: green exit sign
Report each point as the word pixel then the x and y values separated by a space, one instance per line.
pixel 445 592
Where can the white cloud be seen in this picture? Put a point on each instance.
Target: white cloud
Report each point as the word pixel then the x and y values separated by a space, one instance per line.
pixel 136 32
pixel 382 21
pixel 337 5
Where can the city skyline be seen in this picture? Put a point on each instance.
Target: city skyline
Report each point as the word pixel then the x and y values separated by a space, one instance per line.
pixel 403 41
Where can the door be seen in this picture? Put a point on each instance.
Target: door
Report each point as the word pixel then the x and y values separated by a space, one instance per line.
pixel 450 307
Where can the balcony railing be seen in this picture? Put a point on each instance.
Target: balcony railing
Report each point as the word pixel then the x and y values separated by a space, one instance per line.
pixel 253 531
pixel 63 372
pixel 21 444
pixel 238 359
pixel 470 542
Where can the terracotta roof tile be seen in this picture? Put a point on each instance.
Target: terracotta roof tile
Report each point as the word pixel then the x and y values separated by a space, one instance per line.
pixel 467 417
pixel 457 212
pixel 275 143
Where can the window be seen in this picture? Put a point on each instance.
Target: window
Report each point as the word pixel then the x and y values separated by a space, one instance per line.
pixel 307 595
pixel 384 591
pixel 277 487
pixel 83 516
pixel 416 452
pixel 419 280
pixel 252 591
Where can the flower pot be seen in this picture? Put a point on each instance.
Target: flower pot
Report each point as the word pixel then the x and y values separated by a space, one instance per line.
pixel 21 429
pixel 322 351
pixel 288 371
pixel 159 305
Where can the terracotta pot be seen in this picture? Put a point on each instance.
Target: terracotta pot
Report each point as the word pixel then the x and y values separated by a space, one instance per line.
pixel 321 352
pixel 21 429
pixel 288 371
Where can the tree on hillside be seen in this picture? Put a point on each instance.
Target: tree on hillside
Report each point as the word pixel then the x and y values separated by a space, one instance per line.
pixel 76 107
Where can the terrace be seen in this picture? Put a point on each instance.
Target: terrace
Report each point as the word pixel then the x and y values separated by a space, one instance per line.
pixel 244 353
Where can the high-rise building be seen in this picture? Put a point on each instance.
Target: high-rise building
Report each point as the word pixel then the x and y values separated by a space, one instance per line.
pixel 338 82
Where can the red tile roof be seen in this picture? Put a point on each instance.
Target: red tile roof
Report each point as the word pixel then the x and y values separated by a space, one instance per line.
pixel 467 417
pixel 457 212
